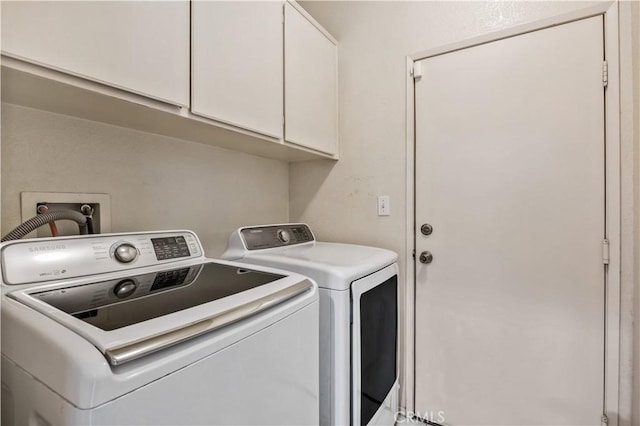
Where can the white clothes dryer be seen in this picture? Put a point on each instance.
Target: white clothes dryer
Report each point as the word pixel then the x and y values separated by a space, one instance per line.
pixel 358 316
pixel 142 329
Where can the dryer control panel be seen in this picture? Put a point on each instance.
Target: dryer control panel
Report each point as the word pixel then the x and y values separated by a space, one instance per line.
pixel 271 236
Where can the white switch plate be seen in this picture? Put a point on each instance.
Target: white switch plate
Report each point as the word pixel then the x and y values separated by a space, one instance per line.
pixel 384 206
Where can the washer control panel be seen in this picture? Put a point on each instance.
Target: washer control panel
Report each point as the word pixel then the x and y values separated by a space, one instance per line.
pixel 50 259
pixel 264 237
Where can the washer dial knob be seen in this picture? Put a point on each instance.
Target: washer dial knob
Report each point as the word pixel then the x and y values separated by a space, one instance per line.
pixel 124 288
pixel 283 236
pixel 125 253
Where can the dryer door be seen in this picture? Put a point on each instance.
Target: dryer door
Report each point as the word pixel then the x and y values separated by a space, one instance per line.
pixel 374 341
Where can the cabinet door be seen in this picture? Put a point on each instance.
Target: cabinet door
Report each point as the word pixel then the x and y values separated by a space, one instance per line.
pixel 237 64
pixel 311 100
pixel 142 47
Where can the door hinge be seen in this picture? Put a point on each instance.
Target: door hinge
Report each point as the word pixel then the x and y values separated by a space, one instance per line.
pixel 414 255
pixel 605 251
pixel 604 420
pixel 605 73
pixel 416 71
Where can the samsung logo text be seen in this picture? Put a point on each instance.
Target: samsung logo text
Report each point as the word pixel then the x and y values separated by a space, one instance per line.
pixel 47 248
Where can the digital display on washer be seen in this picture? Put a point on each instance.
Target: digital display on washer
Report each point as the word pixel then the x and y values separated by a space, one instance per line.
pixel 113 304
pixel 170 247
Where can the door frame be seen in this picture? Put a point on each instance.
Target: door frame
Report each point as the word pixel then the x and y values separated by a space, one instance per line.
pixel 617 203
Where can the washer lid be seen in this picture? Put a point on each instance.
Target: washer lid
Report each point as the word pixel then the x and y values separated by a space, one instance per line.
pixel 132 316
pixel 332 265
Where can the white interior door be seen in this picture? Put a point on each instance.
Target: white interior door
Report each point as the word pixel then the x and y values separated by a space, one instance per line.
pixel 510 174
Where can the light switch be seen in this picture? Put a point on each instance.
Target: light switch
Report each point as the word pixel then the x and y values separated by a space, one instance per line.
pixel 384 207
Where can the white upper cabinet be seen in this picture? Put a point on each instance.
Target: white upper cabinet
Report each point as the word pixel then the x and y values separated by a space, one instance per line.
pixel 311 83
pixel 139 46
pixel 237 64
pixel 257 76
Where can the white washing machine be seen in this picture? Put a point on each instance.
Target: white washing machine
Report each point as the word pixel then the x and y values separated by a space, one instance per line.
pixel 143 329
pixel 358 316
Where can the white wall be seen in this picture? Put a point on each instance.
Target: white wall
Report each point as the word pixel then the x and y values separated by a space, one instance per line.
pixel 339 199
pixel 155 182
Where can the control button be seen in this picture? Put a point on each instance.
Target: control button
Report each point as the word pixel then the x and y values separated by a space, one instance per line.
pixel 125 253
pixel 283 236
pixel 124 288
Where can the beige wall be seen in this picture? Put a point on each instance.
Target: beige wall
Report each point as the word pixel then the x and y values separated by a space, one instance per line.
pixel 339 200
pixel 155 182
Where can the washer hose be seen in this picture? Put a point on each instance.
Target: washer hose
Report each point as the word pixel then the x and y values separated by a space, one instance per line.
pixel 43 219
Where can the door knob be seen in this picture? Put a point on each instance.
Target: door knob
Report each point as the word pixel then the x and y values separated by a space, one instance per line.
pixel 426 257
pixel 426 229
